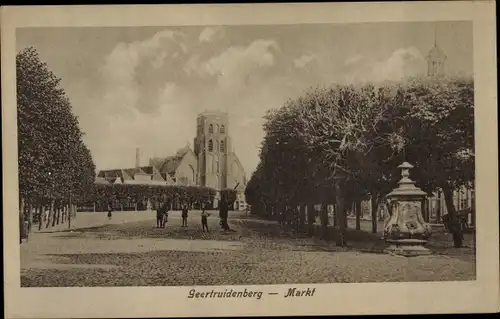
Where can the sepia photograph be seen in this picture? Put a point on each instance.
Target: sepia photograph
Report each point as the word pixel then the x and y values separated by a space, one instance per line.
pixel 223 157
pixel 264 153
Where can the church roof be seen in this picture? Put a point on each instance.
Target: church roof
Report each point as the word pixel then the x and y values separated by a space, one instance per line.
pixel 237 160
pixel 171 163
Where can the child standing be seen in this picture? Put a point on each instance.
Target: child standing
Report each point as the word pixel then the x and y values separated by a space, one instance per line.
pixel 204 220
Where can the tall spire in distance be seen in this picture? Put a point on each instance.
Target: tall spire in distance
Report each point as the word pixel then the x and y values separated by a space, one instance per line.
pixel 435 58
pixel 435 35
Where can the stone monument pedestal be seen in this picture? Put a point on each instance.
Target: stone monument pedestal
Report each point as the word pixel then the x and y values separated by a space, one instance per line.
pixel 407 247
pixel 406 232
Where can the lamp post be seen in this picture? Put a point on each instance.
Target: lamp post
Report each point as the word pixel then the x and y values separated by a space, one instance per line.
pixel 406 231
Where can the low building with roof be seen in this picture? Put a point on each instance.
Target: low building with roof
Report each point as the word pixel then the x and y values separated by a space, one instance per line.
pixel 213 163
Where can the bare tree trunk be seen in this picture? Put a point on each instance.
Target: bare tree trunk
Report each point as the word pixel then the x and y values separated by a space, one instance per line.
pixel 22 228
pixel 324 220
pixel 311 216
pixel 49 216
pixel 335 214
pixel 344 219
pixel 358 214
pixel 473 208
pixel 341 212
pixel 53 213
pixel 302 217
pixel 438 207
pixel 40 216
pixel 30 217
pixel 69 212
pixel 425 210
pixel 374 205
pixel 453 222
pixel 58 210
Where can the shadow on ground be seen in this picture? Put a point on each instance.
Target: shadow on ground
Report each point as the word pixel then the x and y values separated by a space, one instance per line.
pixel 263 234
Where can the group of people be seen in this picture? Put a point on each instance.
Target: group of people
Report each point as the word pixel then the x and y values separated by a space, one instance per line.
pixel 162 217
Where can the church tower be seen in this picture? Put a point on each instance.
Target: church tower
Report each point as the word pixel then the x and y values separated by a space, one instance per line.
pixel 212 146
pixel 435 60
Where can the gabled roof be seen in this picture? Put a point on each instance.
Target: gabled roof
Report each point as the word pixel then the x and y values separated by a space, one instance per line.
pixel 101 181
pixel 170 164
pixel 147 169
pixel 132 171
pixel 110 173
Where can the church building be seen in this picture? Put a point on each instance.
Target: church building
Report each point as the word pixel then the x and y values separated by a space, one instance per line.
pixel 213 163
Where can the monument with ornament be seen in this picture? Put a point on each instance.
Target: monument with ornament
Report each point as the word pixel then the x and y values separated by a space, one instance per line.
pixel 406 231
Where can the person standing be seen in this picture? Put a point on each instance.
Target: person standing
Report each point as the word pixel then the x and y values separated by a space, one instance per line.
pixel 159 216
pixel 164 215
pixel 184 215
pixel 204 219
pixel 110 211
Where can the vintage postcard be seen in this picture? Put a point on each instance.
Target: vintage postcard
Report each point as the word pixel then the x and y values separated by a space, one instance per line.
pixel 274 159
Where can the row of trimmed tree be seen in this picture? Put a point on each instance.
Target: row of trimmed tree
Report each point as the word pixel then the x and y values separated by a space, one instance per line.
pixel 133 195
pixel 136 196
pixel 342 144
pixel 55 166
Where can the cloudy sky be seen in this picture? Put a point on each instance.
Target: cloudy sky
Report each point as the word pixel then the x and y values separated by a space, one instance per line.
pixel 143 87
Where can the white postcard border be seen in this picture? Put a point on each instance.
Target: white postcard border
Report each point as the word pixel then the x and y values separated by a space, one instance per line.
pixel 481 295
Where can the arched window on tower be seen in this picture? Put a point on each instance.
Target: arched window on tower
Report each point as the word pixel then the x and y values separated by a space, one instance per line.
pixel 210 146
pixel 222 129
pixel 211 128
pixel 217 128
pixel 222 146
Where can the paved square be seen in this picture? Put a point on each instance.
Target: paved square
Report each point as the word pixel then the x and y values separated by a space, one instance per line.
pixel 130 251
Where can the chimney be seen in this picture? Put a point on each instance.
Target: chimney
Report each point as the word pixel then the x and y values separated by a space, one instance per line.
pixel 137 158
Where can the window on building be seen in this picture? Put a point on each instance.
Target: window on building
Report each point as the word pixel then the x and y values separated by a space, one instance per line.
pixel 221 146
pixel 210 146
pixel 217 128
pixel 222 129
pixel 217 166
pixel 211 128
